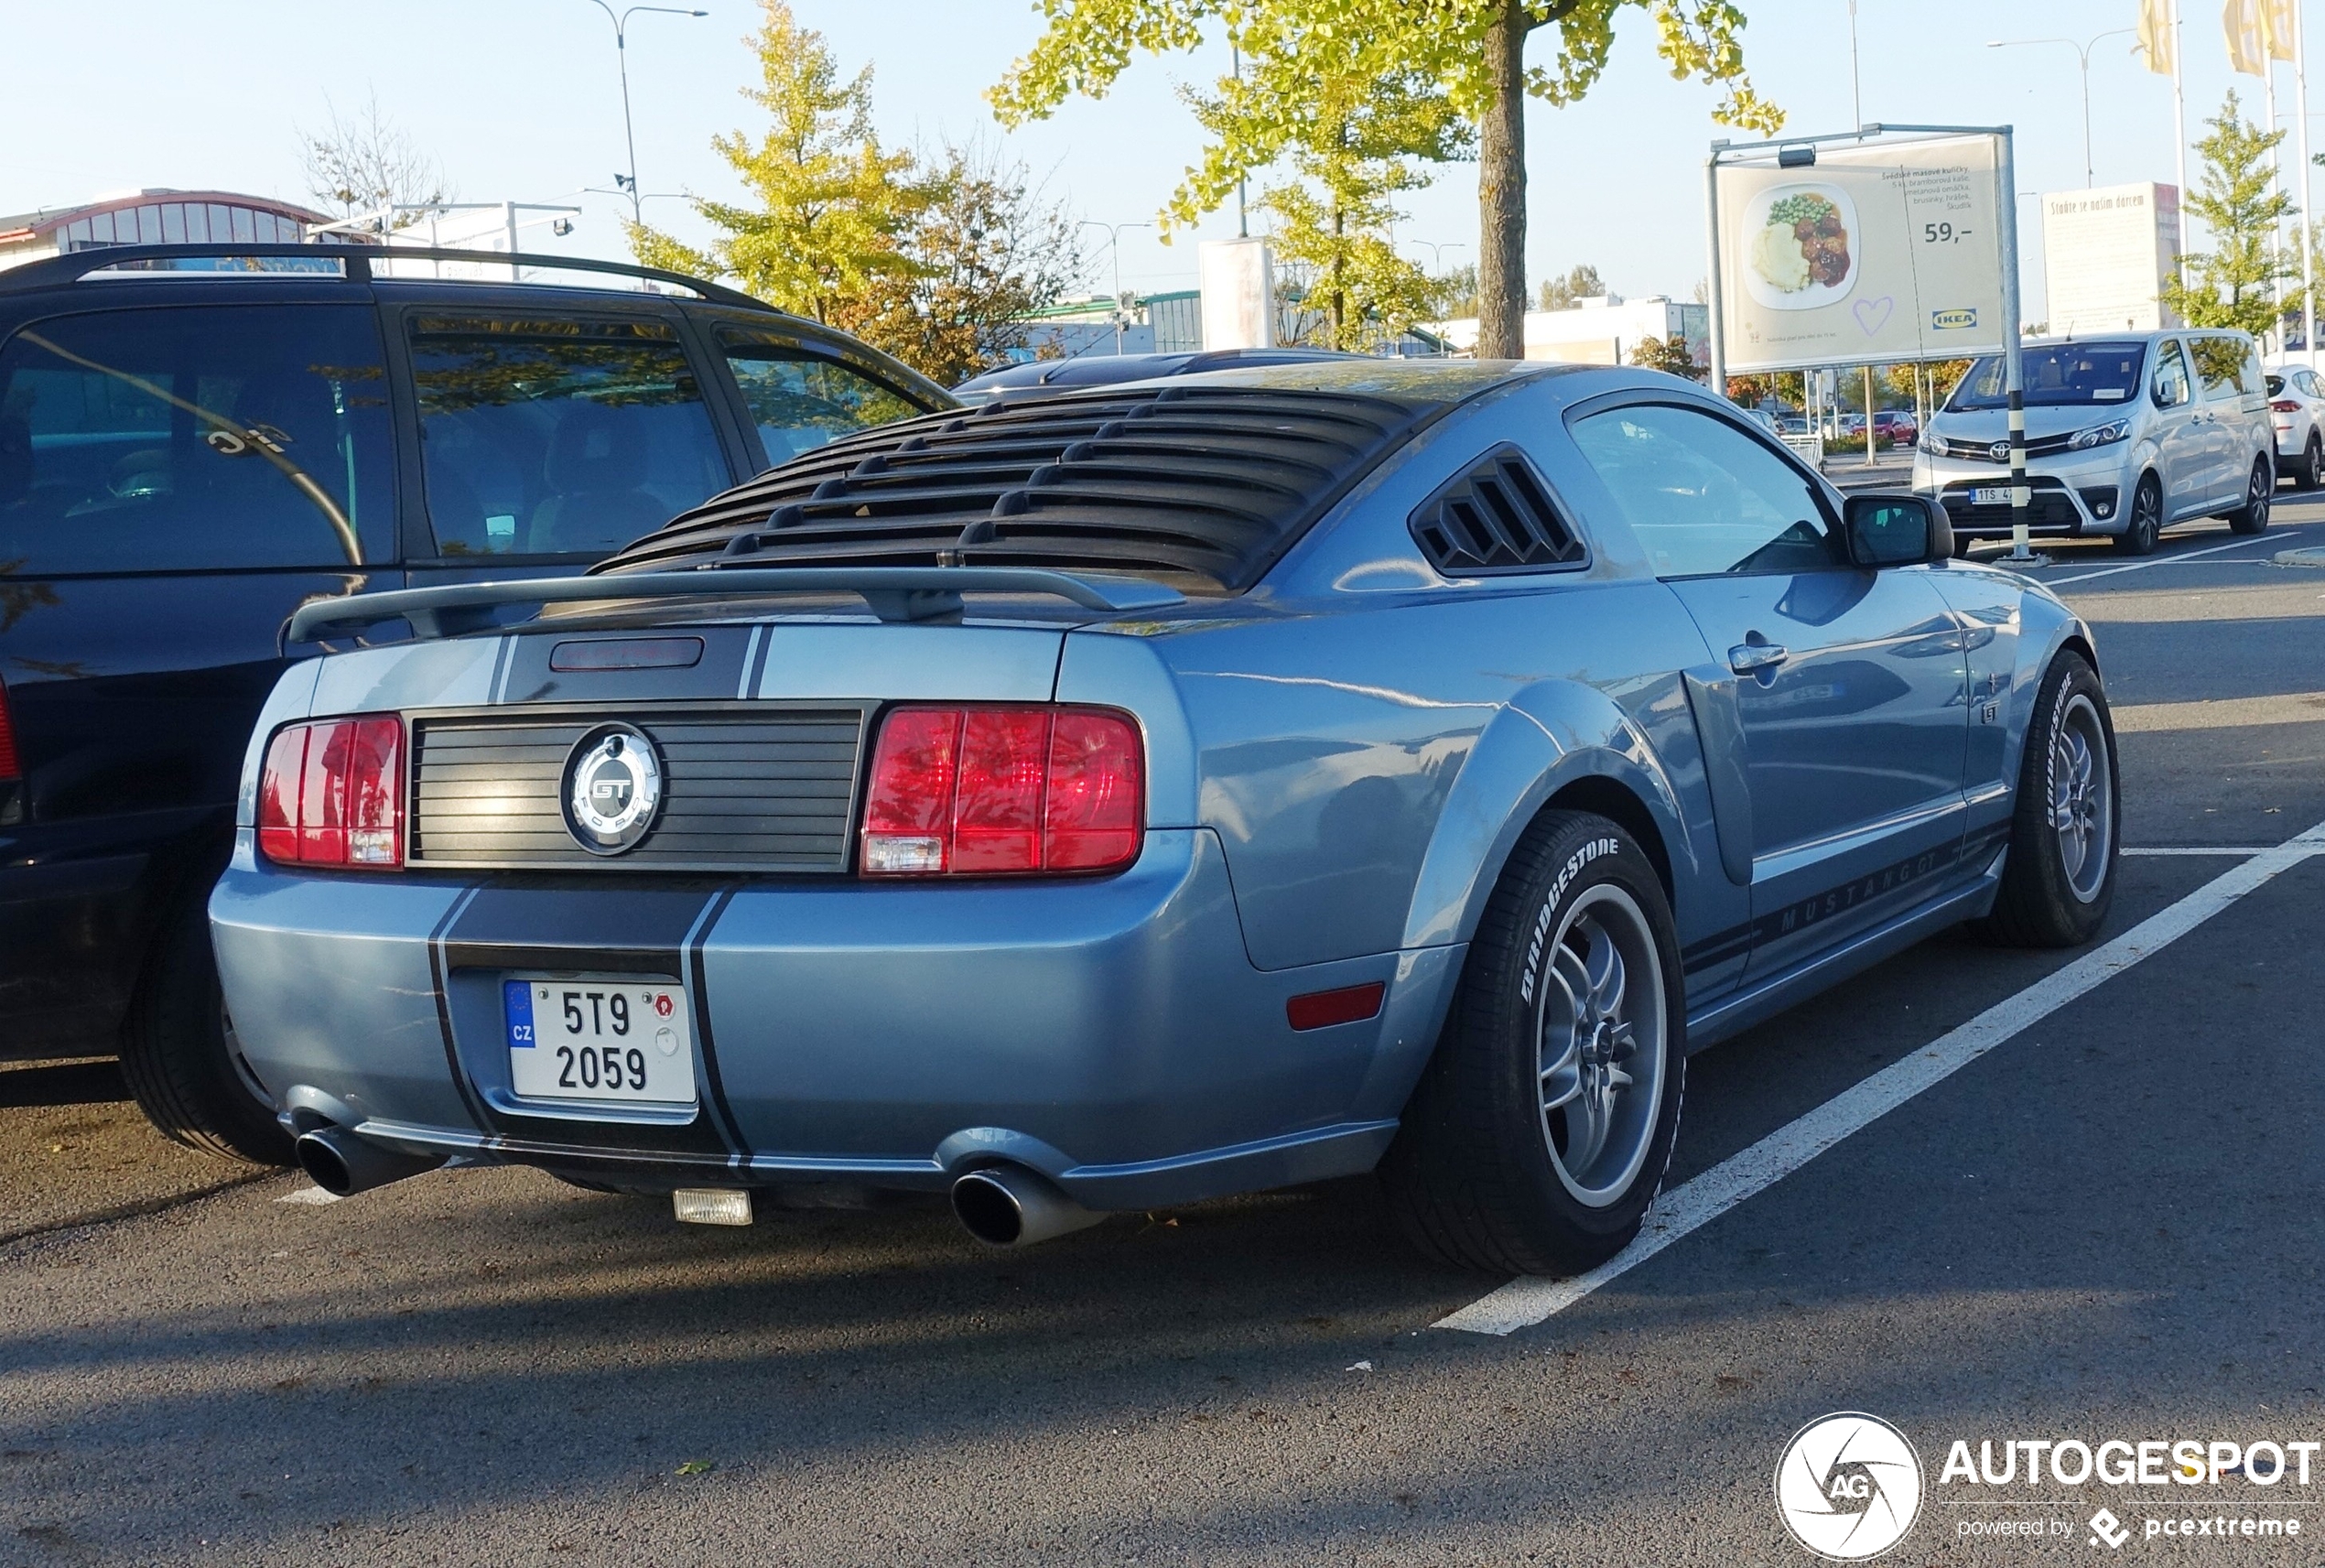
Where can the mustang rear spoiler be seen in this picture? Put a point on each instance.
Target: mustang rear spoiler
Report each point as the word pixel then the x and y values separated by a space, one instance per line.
pixel 895 593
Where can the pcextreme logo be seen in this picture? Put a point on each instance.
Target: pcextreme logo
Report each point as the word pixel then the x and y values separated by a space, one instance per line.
pixel 1848 1486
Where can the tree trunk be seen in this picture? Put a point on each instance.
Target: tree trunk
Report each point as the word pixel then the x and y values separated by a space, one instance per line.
pixel 1501 191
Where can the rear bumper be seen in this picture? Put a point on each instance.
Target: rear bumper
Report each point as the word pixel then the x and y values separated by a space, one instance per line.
pixel 1110 1033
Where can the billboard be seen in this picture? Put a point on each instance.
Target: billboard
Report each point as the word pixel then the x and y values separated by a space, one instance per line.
pixel 2107 254
pixel 1869 254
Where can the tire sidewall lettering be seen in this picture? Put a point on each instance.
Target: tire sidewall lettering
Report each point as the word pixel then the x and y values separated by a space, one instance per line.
pixel 1546 915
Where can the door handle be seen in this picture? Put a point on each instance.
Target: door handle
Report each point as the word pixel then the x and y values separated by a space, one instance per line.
pixel 1751 658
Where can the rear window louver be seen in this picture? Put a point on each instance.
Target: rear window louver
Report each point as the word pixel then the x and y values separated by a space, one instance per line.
pixel 1209 482
pixel 1498 517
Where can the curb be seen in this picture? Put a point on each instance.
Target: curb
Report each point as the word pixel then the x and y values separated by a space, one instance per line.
pixel 2313 556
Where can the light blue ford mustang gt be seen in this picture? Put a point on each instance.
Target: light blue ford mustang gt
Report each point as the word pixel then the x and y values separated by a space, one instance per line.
pixel 1154 793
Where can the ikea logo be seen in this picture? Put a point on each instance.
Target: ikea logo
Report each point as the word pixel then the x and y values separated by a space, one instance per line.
pixel 1953 321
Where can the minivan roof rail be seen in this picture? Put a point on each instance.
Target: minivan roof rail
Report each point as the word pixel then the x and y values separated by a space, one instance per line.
pixel 356 262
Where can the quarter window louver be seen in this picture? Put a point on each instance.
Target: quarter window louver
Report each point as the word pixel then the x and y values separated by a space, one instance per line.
pixel 1211 483
pixel 1499 517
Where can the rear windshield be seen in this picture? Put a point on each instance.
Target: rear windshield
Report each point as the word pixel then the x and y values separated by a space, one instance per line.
pixel 2058 375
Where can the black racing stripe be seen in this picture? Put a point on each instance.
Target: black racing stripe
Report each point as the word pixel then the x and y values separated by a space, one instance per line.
pixel 1721 946
pixel 717 1090
pixel 437 969
pixel 519 922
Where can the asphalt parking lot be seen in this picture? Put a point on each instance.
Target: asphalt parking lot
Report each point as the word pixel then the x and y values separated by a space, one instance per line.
pixel 2104 1223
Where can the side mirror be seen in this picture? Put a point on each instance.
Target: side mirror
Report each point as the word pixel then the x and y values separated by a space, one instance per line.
pixel 1896 530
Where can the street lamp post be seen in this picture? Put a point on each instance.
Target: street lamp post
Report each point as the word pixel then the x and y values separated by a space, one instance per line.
pixel 622 54
pixel 2082 53
pixel 1436 252
pixel 1114 244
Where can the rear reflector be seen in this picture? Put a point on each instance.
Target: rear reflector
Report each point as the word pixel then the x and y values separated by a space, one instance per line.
pixel 9 767
pixel 1020 791
pixel 1350 1004
pixel 332 794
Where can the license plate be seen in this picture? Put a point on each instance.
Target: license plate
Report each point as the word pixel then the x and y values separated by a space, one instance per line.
pixel 599 1037
pixel 1990 495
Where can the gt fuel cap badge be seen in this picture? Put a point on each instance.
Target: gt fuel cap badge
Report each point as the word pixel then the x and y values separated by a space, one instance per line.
pixel 612 789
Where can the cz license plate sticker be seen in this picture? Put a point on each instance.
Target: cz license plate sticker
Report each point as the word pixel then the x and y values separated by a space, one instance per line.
pixel 600 1038
pixel 1990 495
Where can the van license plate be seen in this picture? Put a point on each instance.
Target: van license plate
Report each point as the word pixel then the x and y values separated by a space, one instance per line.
pixel 1990 495
pixel 599 1037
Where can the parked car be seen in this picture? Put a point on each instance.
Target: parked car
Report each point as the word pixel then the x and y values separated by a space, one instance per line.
pixel 2297 410
pixel 1040 377
pixel 2125 436
pixel 188 454
pixel 1098 803
pixel 1896 426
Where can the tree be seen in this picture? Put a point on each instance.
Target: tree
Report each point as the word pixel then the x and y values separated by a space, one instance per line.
pixel 366 164
pixel 828 202
pixel 1469 53
pixel 1355 153
pixel 1453 293
pixel 2234 284
pixel 1582 283
pixel 1669 354
pixel 985 254
pixel 936 258
pixel 1750 391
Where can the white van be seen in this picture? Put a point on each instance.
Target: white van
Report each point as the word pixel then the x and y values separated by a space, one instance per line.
pixel 2126 435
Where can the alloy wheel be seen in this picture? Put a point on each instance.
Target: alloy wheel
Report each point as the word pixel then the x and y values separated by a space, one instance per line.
pixel 1602 1044
pixel 2082 799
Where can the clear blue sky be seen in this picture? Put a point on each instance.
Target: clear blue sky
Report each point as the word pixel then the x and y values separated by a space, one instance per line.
pixel 518 99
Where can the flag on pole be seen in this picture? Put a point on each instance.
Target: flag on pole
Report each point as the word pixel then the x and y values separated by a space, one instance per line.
pixel 2247 41
pixel 2155 39
pixel 2278 25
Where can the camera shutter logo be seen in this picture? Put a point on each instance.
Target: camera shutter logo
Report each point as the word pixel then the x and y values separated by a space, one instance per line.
pixel 612 789
pixel 1848 1486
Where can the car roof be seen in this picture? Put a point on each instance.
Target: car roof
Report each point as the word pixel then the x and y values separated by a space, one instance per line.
pixel 1102 370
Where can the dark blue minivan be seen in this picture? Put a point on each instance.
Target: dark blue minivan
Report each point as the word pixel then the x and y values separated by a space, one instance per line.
pixel 193 443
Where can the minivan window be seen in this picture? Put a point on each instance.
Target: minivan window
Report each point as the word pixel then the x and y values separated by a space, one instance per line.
pixel 2172 387
pixel 195 438
pixel 2058 375
pixel 557 436
pixel 1702 496
pixel 798 400
pixel 2220 365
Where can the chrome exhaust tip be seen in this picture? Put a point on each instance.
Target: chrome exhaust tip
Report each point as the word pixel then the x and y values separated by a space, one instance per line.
pixel 1004 1206
pixel 343 1164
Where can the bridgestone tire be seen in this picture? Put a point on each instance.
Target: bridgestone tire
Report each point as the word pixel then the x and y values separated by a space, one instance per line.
pixel 2036 905
pixel 177 1057
pixel 1471 1176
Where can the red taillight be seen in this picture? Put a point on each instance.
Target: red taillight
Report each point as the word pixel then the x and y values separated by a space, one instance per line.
pixel 9 767
pixel 1004 792
pixel 2285 405
pixel 332 794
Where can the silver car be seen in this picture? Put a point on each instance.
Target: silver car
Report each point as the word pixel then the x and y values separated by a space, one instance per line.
pixel 2125 436
pixel 2297 409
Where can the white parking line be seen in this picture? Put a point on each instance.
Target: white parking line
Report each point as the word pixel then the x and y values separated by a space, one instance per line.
pixel 2159 561
pixel 1694 1204
pixel 2200 850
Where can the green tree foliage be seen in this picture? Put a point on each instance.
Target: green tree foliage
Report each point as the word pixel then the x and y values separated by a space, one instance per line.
pixel 1356 151
pixel 2234 285
pixel 985 252
pixel 1466 55
pixel 1581 282
pixel 932 258
pixel 1454 293
pixel 1669 354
